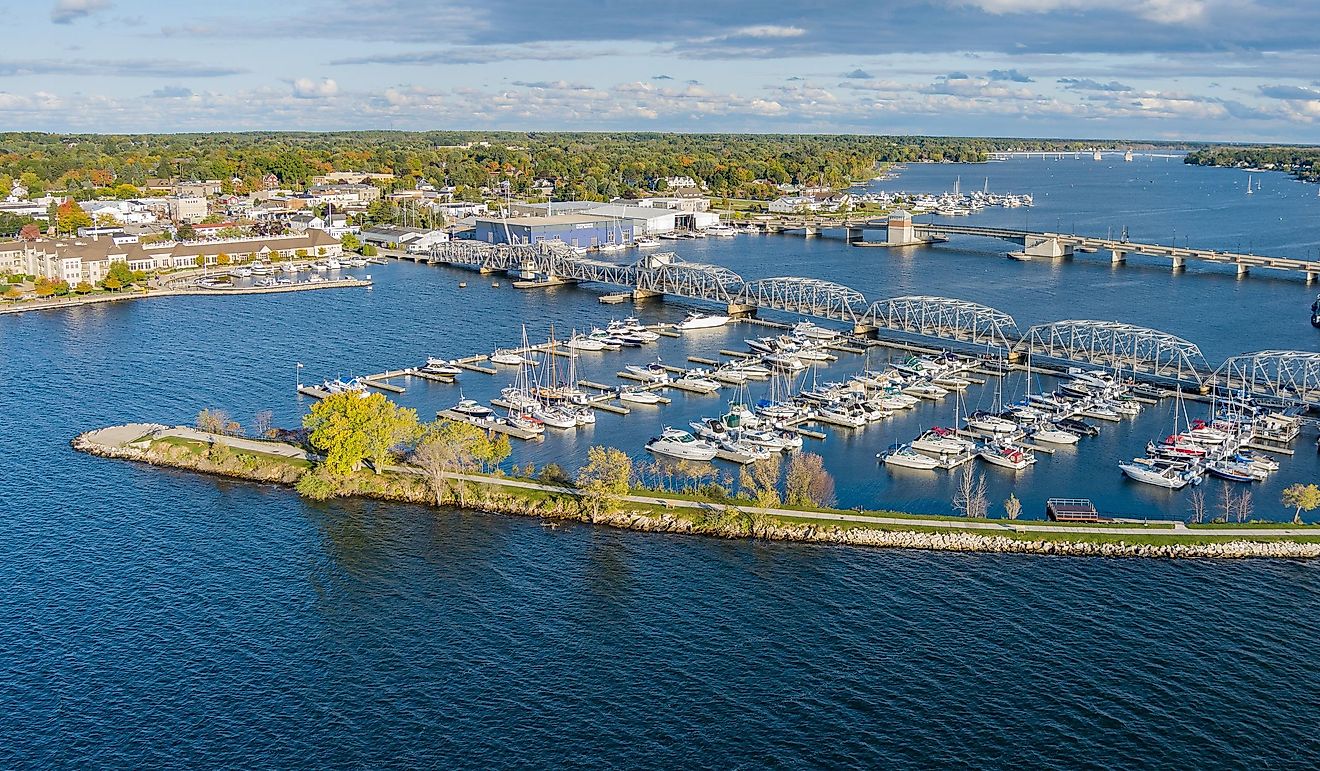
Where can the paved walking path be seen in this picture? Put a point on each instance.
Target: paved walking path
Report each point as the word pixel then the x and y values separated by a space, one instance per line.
pixel 119 436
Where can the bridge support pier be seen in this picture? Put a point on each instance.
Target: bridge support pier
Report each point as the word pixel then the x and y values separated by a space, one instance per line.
pixel 1117 257
pixel 741 311
pixel 865 330
pixel 853 235
pixel 1045 246
pixel 1310 277
pixel 1179 263
pixel 646 294
pixel 1242 269
pixel 811 230
pixel 485 271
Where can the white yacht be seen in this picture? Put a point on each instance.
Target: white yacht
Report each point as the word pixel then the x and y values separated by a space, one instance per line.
pixel 702 321
pixel 586 343
pixel 1168 477
pixel 508 358
pixel 906 457
pixel 441 367
pixel 637 396
pixel 941 441
pixel 1050 435
pixel 646 242
pixel 473 409
pixel 993 424
pixel 1007 455
pixel 677 443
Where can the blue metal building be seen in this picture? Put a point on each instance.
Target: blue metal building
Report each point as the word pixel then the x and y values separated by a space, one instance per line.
pixel 584 230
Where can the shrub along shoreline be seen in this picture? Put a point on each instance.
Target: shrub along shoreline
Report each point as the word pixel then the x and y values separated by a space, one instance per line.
pixel 289 465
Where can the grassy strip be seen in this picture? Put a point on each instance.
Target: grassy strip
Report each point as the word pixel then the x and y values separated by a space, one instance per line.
pixel 720 511
pixel 201 449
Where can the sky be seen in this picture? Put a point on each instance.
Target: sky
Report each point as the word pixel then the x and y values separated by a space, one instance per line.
pixel 1223 70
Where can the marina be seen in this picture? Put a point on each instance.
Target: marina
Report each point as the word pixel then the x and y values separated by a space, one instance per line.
pixel 1088 467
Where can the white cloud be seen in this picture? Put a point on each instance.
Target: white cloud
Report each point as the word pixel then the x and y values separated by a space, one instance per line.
pixel 1162 11
pixel 307 88
pixel 768 31
pixel 69 11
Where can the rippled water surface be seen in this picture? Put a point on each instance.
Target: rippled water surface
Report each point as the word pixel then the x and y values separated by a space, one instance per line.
pixel 152 618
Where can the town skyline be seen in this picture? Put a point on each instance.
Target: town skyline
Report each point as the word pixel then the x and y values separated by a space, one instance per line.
pixel 1225 70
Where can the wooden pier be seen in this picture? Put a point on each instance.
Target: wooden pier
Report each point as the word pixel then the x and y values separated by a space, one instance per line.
pixel 446 379
pixel 313 391
pixel 488 425
pixel 476 367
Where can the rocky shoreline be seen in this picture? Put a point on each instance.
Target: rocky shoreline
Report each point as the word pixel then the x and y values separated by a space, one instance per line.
pixel 735 523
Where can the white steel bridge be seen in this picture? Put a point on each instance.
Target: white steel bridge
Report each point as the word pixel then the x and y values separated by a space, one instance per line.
pixel 1147 353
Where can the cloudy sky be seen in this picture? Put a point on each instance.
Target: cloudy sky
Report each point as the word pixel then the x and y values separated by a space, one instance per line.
pixel 1196 69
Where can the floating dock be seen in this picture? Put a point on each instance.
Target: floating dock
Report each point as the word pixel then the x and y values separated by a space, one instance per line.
pixel 488 425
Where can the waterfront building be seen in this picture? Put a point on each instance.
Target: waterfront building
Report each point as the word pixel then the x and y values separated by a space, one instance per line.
pixel 400 237
pixel 187 210
pixel 89 259
pixel 581 230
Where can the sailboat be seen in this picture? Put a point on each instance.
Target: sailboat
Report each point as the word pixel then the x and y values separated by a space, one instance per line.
pixel 1249 190
pixel 1047 432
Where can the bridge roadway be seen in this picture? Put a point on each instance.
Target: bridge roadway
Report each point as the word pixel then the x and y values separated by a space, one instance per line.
pixel 1047 245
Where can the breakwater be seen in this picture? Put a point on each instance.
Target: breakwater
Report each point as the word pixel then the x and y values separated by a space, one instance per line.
pixel 158 445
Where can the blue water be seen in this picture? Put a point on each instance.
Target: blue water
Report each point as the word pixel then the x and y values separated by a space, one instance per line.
pixel 154 618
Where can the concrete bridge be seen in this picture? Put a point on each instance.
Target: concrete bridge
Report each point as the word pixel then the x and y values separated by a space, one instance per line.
pixel 901 231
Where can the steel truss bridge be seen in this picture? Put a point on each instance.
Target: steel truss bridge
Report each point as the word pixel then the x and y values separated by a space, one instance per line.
pixel 1156 355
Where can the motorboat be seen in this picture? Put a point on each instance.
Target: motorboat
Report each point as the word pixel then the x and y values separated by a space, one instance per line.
pixel 651 373
pixel 702 321
pixel 785 361
pixel 810 330
pixel 941 441
pixel 436 366
pixel 473 409
pixel 925 391
pixel 1231 471
pixel 260 269
pixel 839 415
pixel 1045 433
pixel 1169 478
pixel 905 457
pixel 774 439
pixel 1007 455
pixel 646 242
pixel 333 264
pixel 991 423
pixel 812 354
pixel 777 410
pixel 696 383
pixel 636 396
pixel 509 358
pixel 1076 426
pixel 585 343
pixel 677 443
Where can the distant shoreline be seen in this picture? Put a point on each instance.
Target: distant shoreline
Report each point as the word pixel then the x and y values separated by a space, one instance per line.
pixel 281 463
